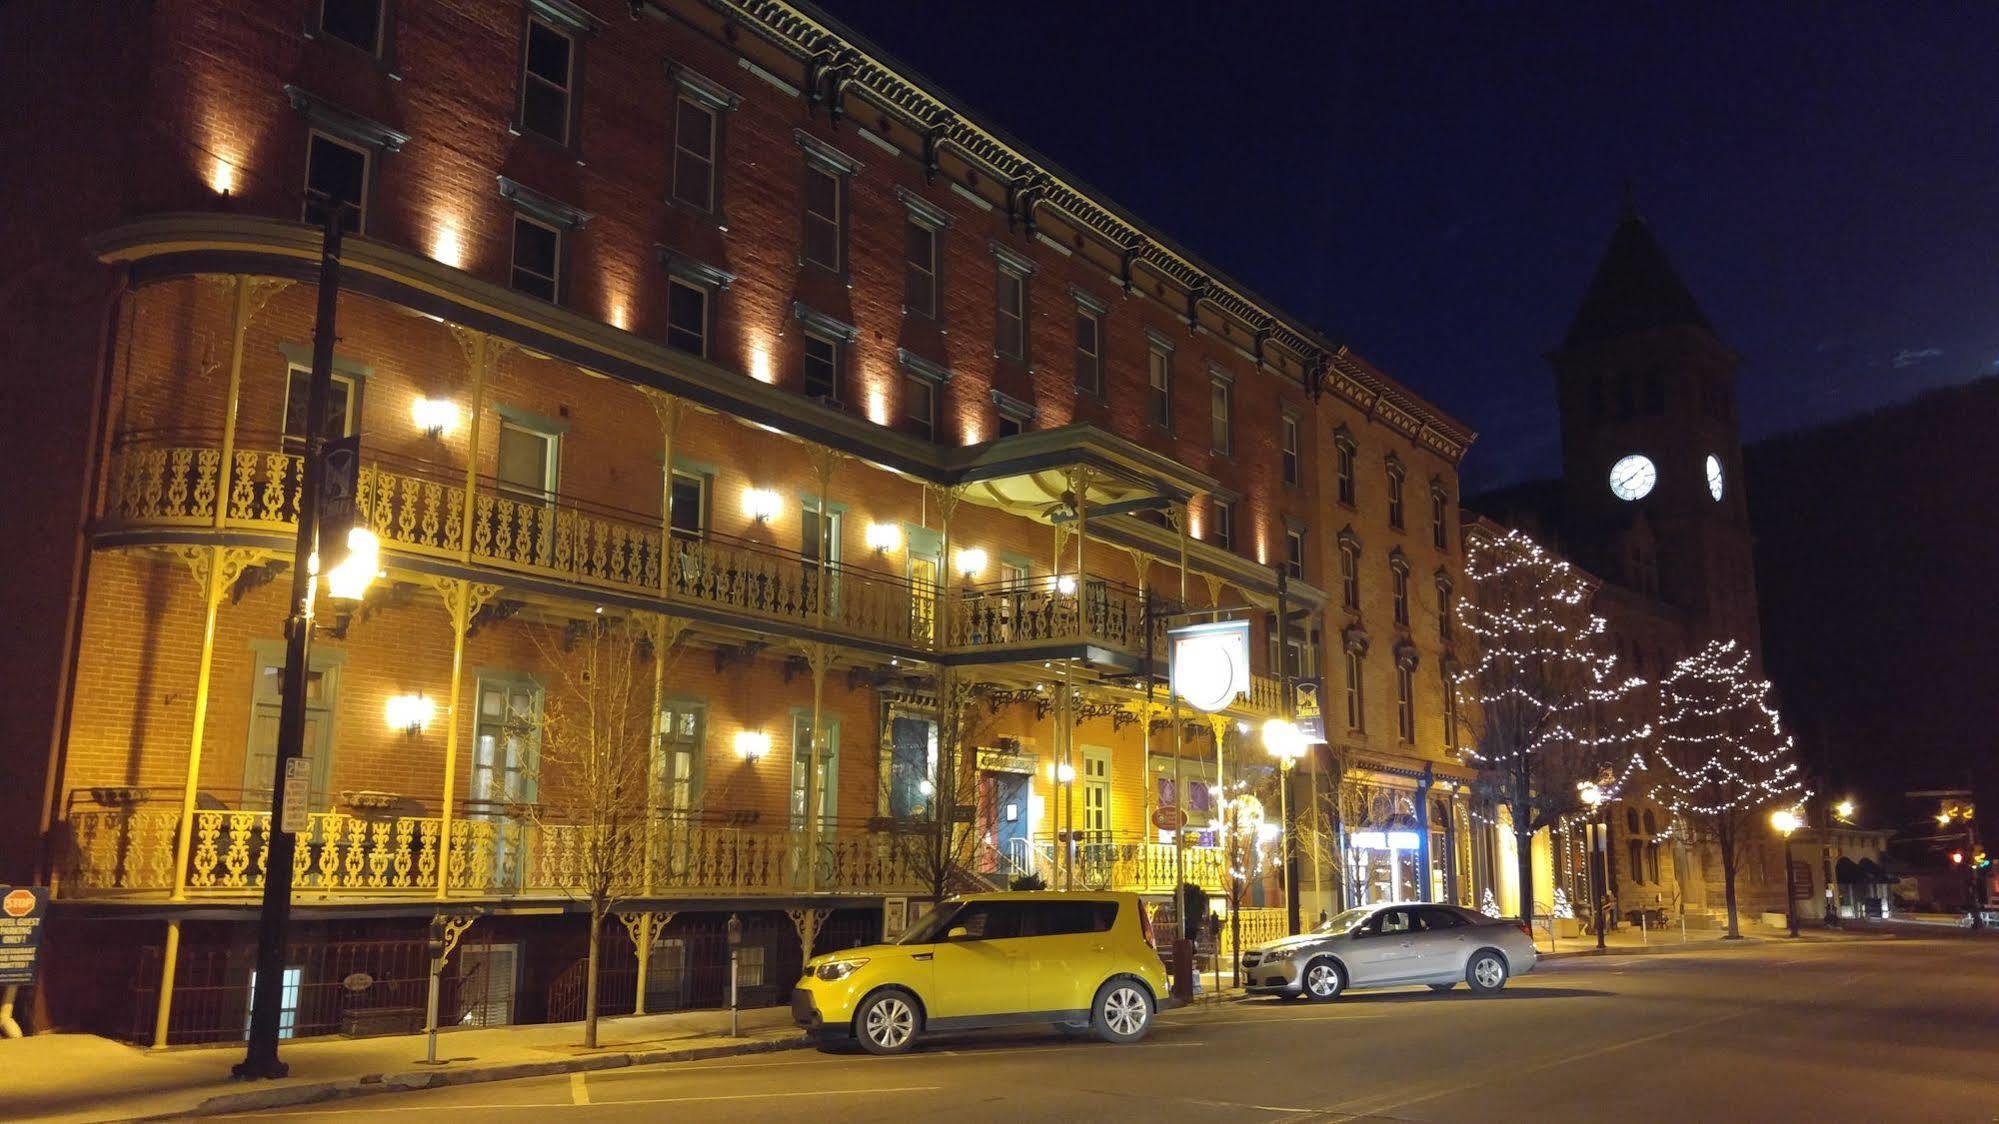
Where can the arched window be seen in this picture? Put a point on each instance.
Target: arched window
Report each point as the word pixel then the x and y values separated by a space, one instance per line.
pixel 1651 825
pixel 1631 820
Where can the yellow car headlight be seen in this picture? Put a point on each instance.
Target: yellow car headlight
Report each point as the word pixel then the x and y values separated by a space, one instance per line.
pixel 834 970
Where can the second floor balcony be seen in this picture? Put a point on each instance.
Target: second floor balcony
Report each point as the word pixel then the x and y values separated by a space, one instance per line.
pixel 164 485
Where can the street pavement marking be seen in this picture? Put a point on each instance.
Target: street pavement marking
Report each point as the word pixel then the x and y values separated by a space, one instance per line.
pixel 579 1093
pixel 601 1104
pixel 1353 1107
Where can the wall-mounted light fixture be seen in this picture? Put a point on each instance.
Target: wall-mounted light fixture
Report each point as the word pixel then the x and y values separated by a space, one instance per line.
pixel 1065 585
pixel 752 745
pixel 410 713
pixel 1064 772
pixel 884 537
pixel 971 562
pixel 435 416
pixel 762 504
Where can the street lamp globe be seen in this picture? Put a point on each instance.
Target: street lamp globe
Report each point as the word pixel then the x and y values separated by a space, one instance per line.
pixel 1786 821
pixel 1283 740
pixel 1589 792
pixel 1845 809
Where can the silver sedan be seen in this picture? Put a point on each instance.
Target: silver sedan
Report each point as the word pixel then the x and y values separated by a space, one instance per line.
pixel 1393 946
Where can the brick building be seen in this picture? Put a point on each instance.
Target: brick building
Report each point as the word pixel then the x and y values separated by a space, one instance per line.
pixel 703 320
pixel 1651 504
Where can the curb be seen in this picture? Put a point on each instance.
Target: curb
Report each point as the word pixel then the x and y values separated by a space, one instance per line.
pixel 368 1084
pixel 1715 945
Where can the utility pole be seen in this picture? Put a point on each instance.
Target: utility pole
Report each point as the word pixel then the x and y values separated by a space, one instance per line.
pixel 281 837
pixel 1286 813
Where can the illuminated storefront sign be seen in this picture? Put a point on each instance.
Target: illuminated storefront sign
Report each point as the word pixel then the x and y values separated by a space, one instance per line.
pixel 1211 663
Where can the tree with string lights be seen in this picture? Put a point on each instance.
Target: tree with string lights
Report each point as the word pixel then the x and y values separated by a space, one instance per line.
pixel 1723 759
pixel 1541 689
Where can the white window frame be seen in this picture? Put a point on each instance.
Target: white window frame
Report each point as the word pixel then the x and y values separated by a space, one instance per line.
pixel 1356 691
pixel 1017 314
pixel 929 270
pixel 1095 779
pixel 514 257
pixel 811 336
pixel 1094 355
pixel 713 186
pixel 914 385
pixel 1221 523
pixel 552 467
pixel 1405 701
pixel 568 91
pixel 367 176
pixel 1159 387
pixel 1290 463
pixel 381 28
pixel 350 425
pixel 1221 414
pixel 837 219
pixel 707 295
pixel 1398 575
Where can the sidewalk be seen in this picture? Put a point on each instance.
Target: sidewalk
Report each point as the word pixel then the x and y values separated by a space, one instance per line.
pixel 1633 940
pixel 81 1077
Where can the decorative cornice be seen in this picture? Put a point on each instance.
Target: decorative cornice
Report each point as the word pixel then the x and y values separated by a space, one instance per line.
pixel 345 124
pixel 1011 407
pixel 825 155
pixel 547 208
pixel 567 13
pixel 917 365
pixel 807 38
pixel 703 90
pixel 699 272
pixel 1010 259
pixel 831 325
pixel 923 210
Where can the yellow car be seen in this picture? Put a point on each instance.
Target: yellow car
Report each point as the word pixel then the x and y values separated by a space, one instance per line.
pixel 1083 961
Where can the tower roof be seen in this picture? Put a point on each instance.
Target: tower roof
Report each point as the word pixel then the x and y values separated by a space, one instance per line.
pixel 1635 288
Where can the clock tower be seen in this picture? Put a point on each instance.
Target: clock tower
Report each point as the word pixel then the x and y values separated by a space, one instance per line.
pixel 1651 453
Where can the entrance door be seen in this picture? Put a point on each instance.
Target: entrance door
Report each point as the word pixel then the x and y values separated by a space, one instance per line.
pixel 487 978
pixel 1010 837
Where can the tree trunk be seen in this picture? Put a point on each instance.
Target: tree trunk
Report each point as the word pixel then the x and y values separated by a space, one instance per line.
pixel 590 976
pixel 1523 857
pixel 1726 840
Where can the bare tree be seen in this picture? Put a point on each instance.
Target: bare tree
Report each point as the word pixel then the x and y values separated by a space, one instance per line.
pixel 592 772
pixel 935 841
pixel 1724 758
pixel 1540 688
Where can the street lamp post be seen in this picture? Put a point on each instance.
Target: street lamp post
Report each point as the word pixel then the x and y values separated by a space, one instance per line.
pixel 1283 740
pixel 1785 821
pixel 346 578
pixel 1599 837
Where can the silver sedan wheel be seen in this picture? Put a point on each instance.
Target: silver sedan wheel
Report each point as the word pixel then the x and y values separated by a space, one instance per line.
pixel 889 1023
pixel 1487 972
pixel 1322 980
pixel 1126 1012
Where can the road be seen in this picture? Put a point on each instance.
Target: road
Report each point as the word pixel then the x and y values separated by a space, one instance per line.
pixel 1881 1029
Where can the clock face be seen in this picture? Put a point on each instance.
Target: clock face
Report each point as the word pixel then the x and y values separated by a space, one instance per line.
pixel 1632 477
pixel 1714 477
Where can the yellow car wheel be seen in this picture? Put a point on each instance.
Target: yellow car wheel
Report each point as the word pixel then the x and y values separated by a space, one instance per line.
pixel 1122 1011
pixel 887 1022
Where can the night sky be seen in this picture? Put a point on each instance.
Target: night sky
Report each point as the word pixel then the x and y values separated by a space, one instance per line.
pixel 1433 184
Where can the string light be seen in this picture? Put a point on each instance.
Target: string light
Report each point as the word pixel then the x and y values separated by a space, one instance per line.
pixel 1722 746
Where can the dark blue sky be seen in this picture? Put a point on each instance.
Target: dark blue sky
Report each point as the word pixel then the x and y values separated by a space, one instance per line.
pixel 1433 183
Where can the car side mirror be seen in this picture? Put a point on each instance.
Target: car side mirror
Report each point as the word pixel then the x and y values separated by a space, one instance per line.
pixel 957 933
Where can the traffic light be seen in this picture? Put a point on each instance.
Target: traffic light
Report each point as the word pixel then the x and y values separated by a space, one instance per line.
pixel 1957 858
pixel 1981 860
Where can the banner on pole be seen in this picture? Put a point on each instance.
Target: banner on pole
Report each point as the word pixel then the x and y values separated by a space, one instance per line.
pixel 1311 718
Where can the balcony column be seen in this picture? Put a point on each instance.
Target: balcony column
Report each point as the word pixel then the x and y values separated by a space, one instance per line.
pixel 662 632
pixel 818 657
pixel 824 461
pixel 249 295
pixel 946 500
pixel 1177 514
pixel 481 353
pixel 164 1012
pixel 215 570
pixel 669 409
pixel 463 600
